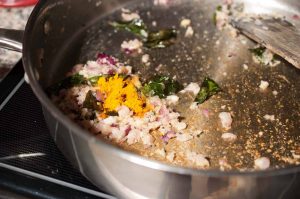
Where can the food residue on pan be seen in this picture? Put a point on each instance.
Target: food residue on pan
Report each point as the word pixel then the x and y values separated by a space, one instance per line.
pixel 263 85
pixel 132 46
pixel 191 123
pixel 261 55
pixel 262 163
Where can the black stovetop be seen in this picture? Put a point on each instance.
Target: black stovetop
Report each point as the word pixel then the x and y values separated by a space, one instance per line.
pixel 30 163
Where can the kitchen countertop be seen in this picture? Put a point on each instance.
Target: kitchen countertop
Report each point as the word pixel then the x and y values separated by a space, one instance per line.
pixel 11 18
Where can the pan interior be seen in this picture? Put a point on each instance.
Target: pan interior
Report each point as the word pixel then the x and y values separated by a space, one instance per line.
pixel 216 54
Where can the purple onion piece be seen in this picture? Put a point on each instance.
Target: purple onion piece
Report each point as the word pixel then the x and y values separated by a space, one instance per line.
pixel 128 129
pixel 205 112
pixel 168 136
pixel 165 138
pixel 296 17
pixel 103 58
pixel 127 51
pixel 111 71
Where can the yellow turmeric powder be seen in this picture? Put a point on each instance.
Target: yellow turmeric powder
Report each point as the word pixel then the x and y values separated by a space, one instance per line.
pixel 120 91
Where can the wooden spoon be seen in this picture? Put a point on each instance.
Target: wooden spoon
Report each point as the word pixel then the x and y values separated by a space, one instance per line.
pixel 276 34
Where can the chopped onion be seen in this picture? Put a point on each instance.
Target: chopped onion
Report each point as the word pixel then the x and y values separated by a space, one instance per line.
pixel 168 136
pixel 229 137
pixel 262 163
pixel 226 119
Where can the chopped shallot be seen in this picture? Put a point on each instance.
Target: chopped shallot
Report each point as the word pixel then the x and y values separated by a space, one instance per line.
pixel 194 106
pixel 110 120
pixel 228 2
pixel 133 136
pixel 106 59
pixel 205 112
pixel 262 163
pixel 275 93
pixel 132 46
pixel 229 137
pixel 263 85
pixel 172 99
pixel 147 139
pixel 117 134
pixel 168 136
pixel 269 117
pixel 170 156
pixel 197 159
pixel 179 125
pixel 161 152
pixel 226 120
pixel 185 23
pixel 145 58
pixel 189 32
pixel 124 111
pixel 183 137
pixel 192 87
pixel 161 2
pixel 296 17
pixel 223 162
pixel 129 16
pixel 245 66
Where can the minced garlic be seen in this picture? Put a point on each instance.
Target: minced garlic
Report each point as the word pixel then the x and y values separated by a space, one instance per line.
pixel 120 91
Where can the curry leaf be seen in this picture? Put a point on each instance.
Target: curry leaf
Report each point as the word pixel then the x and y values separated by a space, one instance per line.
pixel 152 39
pixel 73 80
pixel 161 39
pixel 94 80
pixel 68 82
pixel 135 26
pixel 258 51
pixel 112 113
pixel 208 88
pixel 161 86
pixel 91 102
pixel 154 88
pixel 219 9
pixel 215 18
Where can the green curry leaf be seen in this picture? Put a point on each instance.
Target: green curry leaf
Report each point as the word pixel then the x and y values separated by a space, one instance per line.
pixel 161 39
pixel 112 113
pixel 152 39
pixel 68 82
pixel 135 26
pixel 94 80
pixel 258 51
pixel 91 102
pixel 219 9
pixel 161 86
pixel 208 88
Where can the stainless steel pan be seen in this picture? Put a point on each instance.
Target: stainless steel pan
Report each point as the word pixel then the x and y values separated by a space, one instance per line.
pixel 60 34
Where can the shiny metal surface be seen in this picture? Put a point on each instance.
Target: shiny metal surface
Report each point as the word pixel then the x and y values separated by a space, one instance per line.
pixel 56 39
pixel 11 39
